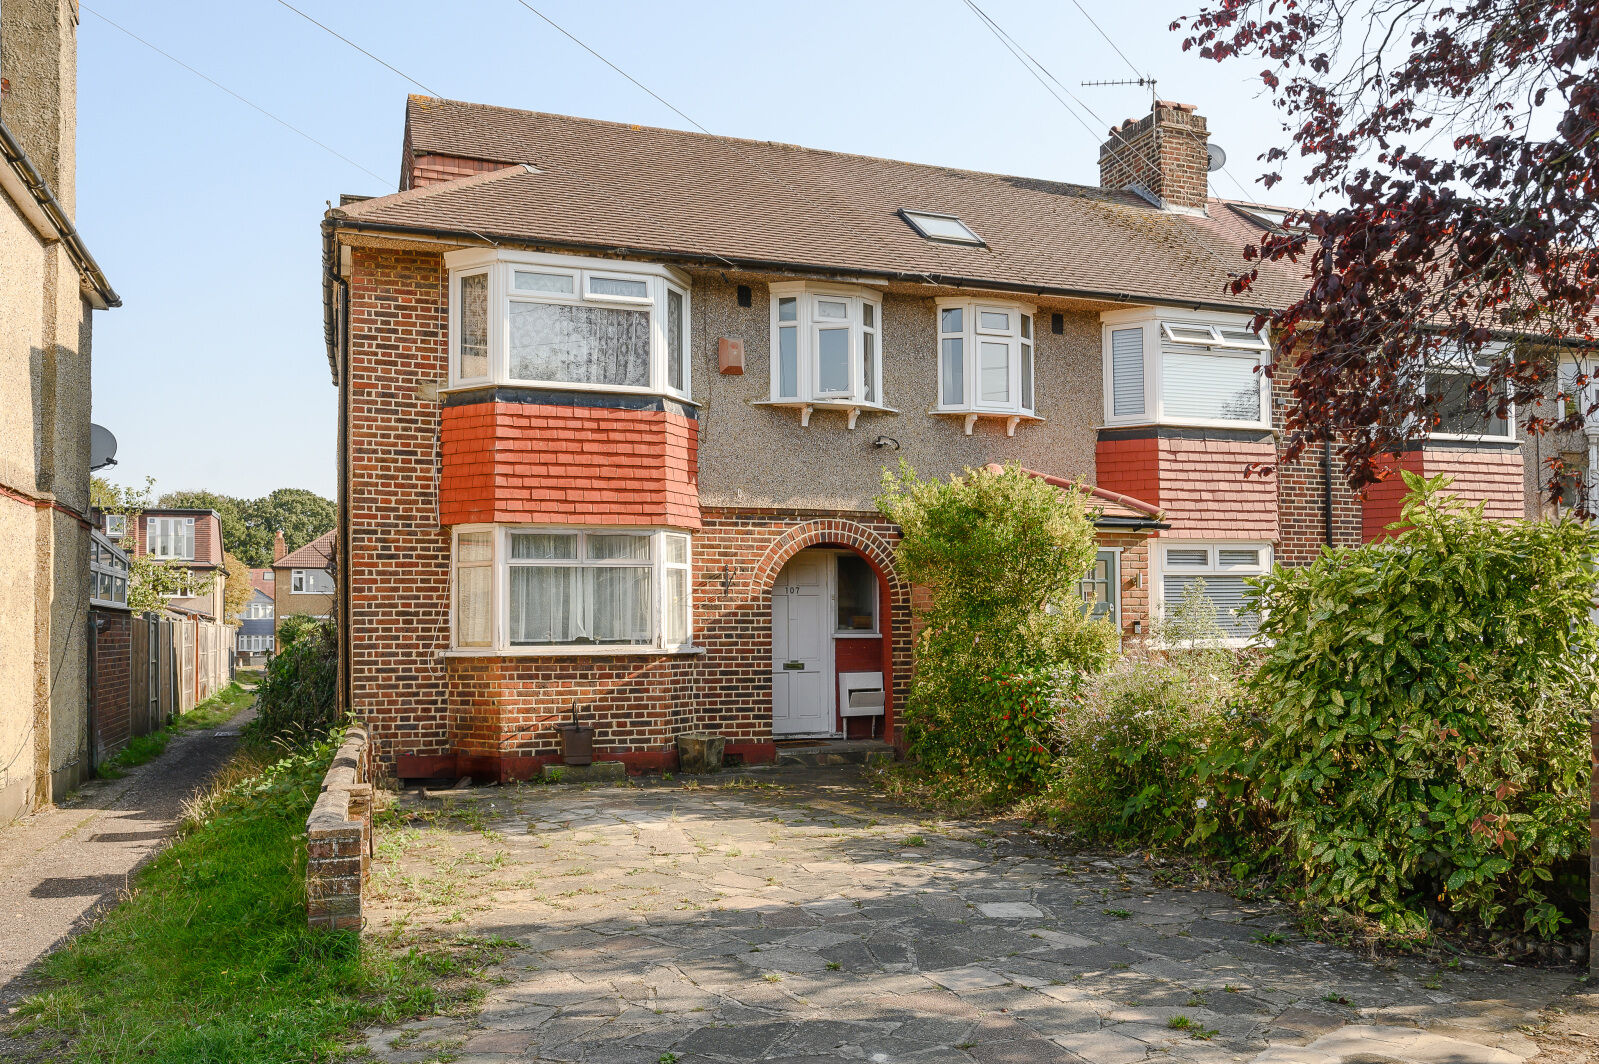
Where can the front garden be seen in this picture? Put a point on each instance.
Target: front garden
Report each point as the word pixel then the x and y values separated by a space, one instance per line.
pixel 1404 751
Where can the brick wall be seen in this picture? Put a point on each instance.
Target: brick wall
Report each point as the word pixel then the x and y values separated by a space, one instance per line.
pixel 113 678
pixel 567 464
pixel 399 554
pixel 338 837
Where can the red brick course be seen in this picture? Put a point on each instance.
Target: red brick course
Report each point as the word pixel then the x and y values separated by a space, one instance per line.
pixel 516 462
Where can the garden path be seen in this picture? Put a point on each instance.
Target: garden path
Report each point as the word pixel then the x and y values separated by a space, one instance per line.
pixel 803 919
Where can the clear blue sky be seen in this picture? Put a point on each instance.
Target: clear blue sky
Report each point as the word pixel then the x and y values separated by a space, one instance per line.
pixel 204 213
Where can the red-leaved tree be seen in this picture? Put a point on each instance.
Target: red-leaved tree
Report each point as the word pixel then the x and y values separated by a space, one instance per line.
pixel 1458 145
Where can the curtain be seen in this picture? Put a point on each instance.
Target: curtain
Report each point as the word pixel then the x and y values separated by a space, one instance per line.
pixel 580 344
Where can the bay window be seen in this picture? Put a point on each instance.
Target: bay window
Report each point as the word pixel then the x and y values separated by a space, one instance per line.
pixel 591 589
pixel 985 360
pixel 1217 572
pixel 559 321
pixel 1193 369
pixel 826 348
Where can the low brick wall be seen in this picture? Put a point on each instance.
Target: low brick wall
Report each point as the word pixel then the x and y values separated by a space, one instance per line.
pixel 338 836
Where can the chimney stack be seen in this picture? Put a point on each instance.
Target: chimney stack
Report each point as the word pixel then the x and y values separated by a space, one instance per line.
pixel 279 548
pixel 1162 154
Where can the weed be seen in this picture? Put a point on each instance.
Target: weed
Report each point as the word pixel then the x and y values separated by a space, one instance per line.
pixel 1120 914
pixel 1270 938
pixel 913 840
pixel 834 966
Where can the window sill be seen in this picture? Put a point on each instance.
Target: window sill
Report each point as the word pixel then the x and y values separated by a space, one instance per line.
pixel 623 651
pixel 857 635
pixel 1012 418
pixel 1174 423
pixel 807 406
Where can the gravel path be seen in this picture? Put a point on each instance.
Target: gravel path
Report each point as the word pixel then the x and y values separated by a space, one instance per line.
pixel 806 920
pixel 65 864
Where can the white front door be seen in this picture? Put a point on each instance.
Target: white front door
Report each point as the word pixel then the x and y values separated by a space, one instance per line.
pixel 802 702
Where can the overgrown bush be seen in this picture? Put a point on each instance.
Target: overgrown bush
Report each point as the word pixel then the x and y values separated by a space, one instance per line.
pixel 1005 634
pixel 1150 748
pixel 292 627
pixel 1426 708
pixel 298 698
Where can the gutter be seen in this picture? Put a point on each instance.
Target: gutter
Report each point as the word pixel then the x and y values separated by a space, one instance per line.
pixel 45 213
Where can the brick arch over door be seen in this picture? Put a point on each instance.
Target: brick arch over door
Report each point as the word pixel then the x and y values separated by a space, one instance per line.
pixel 830 533
pixel 894 618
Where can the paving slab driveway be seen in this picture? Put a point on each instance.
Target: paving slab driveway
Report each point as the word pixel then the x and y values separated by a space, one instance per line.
pixel 806 920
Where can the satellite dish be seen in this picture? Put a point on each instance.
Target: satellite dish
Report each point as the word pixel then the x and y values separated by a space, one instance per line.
pixel 1218 158
pixel 102 447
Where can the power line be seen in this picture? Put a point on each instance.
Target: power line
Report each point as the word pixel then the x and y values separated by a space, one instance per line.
pixel 358 48
pixel 1018 52
pixel 562 30
pixel 1136 72
pixel 248 103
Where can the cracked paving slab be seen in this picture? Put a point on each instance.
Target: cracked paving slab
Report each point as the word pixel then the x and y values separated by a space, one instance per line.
pixel 807 919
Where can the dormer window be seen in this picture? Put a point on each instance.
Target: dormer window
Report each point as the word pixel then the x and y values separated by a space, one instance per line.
pixel 942 227
pixel 985 360
pixel 827 350
pixel 1164 367
pixel 557 321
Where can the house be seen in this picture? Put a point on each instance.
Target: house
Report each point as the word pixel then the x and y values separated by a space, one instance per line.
pixel 257 629
pixel 188 540
pixel 302 580
pixel 49 287
pixel 616 402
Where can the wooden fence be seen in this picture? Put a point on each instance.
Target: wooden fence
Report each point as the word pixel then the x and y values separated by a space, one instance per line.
pixel 178 662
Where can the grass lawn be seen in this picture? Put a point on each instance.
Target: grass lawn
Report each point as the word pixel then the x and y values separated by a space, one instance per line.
pixel 218 709
pixel 210 960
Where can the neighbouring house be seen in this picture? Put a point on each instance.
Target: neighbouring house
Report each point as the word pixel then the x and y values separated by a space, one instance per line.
pixel 110 634
pixel 49 284
pixel 257 629
pixel 616 402
pixel 189 540
pixel 302 580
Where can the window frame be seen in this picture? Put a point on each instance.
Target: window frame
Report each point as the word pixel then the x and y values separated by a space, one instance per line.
pixel 877 600
pixel 501 267
pixel 121 521
pixel 109 561
pixel 296 583
pixel 1459 366
pixel 500 565
pixel 1021 373
pixel 1160 568
pixel 1156 324
pixel 808 325
pixel 912 217
pixel 187 523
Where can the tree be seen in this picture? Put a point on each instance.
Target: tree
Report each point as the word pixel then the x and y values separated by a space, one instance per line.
pixel 1005 633
pixel 238 590
pixel 1464 139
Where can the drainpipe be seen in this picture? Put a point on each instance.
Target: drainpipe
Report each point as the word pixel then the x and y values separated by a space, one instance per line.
pixel 1327 490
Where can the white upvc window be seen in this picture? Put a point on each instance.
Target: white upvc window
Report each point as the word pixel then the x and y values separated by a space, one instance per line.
pixel 1460 409
pixel 827 345
pixel 116 527
pixel 570 323
pixel 169 537
pixel 1185 368
pixel 108 573
pixel 1579 383
pixel 1219 570
pixel 310 582
pixel 572 590
pixel 985 357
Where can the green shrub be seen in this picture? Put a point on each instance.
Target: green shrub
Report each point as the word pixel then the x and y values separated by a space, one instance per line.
pixel 1426 708
pixel 1152 746
pixel 1006 635
pixel 299 696
pixel 295 625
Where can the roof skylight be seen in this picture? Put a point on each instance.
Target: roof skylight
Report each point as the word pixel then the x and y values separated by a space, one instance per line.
pixel 942 227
